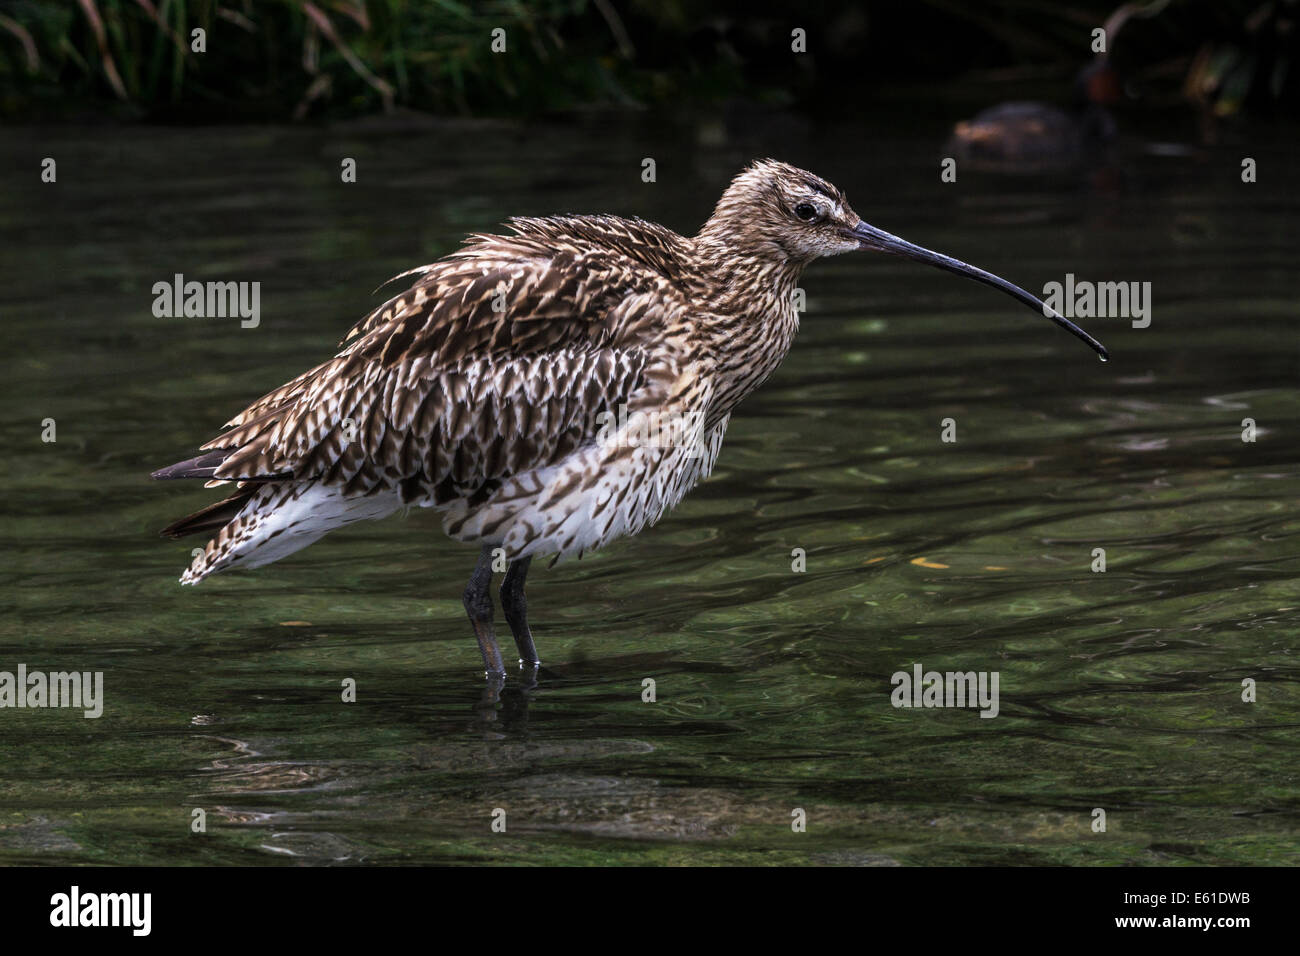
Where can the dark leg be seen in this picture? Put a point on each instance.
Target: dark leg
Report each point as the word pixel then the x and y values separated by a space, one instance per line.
pixel 516 608
pixel 490 698
pixel 478 604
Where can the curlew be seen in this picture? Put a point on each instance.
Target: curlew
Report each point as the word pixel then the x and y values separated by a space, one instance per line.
pixel 546 391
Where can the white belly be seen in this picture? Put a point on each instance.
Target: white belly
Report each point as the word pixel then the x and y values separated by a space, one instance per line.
pixel 597 494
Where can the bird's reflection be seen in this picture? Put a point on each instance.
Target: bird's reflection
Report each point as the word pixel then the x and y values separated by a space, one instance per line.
pixel 502 704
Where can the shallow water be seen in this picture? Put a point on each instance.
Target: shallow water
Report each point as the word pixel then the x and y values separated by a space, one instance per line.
pixel 1118 690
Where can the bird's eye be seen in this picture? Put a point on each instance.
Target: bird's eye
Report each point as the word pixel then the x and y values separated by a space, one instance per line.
pixel 806 211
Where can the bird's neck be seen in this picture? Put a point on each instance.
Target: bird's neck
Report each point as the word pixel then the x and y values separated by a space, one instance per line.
pixel 752 317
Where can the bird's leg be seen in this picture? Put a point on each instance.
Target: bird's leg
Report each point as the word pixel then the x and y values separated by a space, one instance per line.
pixel 478 604
pixel 516 608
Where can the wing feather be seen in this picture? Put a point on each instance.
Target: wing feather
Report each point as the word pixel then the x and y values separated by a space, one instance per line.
pixel 498 360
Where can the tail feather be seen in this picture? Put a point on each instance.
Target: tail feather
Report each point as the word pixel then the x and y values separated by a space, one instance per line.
pixel 275 519
pixel 205 466
pixel 202 466
pixel 213 517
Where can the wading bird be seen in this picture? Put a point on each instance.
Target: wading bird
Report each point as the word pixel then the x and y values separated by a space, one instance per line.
pixel 546 391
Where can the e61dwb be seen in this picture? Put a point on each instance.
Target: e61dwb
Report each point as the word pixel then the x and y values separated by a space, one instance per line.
pixel 1222 896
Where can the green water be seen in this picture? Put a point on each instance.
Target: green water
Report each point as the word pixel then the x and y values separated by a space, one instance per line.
pixel 1118 690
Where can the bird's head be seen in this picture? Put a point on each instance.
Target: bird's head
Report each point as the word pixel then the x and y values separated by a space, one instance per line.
pixel 787 217
pixel 788 214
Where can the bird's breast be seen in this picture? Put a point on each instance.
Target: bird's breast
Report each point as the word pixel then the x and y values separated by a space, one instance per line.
pixel 748 349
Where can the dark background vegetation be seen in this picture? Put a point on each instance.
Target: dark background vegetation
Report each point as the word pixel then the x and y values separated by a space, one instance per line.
pixel 281 60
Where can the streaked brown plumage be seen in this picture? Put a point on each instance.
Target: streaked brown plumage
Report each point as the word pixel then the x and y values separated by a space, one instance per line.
pixel 486 390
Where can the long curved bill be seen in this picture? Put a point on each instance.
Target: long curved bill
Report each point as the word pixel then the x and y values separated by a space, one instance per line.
pixel 872 238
